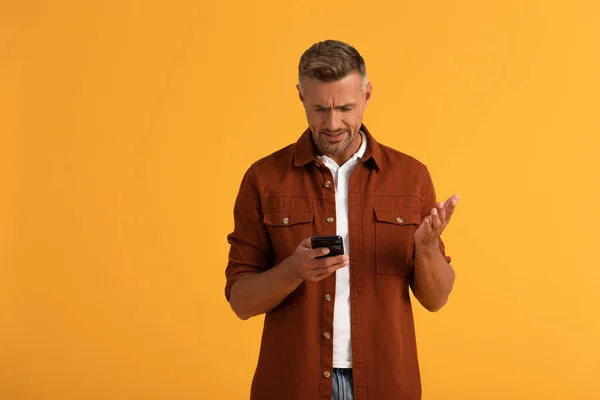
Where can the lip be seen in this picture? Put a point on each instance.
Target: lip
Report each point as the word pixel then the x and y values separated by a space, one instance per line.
pixel 334 138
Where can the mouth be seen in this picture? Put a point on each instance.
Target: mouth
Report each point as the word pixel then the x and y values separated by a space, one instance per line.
pixel 334 137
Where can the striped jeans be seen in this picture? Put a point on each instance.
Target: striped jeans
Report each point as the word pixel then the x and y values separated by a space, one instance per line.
pixel 342 384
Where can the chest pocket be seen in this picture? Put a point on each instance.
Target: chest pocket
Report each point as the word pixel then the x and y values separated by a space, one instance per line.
pixel 394 239
pixel 287 228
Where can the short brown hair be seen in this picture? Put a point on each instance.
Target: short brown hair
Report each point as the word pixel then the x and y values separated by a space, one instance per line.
pixel 330 60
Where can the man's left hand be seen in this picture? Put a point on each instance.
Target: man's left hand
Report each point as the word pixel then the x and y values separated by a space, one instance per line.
pixel 428 234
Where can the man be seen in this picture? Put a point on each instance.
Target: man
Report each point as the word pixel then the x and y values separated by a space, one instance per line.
pixel 337 327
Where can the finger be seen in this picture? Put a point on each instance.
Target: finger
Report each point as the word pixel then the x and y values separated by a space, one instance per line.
pixel 335 267
pixel 443 216
pixel 323 273
pixel 316 278
pixel 327 262
pixel 440 207
pixel 452 201
pixel 318 252
pixel 450 205
pixel 435 218
pixel 427 227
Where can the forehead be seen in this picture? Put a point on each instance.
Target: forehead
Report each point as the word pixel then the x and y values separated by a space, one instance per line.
pixel 343 90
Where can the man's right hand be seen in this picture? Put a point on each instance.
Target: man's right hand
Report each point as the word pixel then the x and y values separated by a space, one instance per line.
pixel 305 265
pixel 255 294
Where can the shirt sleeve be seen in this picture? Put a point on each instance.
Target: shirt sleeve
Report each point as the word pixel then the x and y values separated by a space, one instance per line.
pixel 250 246
pixel 428 203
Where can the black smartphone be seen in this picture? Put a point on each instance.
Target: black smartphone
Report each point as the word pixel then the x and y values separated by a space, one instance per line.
pixel 335 244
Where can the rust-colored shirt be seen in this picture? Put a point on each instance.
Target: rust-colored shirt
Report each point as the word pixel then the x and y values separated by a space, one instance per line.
pixel 287 197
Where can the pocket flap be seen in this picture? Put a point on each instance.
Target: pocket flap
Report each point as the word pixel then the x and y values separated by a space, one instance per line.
pixel 287 217
pixel 398 216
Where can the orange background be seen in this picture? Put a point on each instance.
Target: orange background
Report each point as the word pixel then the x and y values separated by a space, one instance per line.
pixel 125 130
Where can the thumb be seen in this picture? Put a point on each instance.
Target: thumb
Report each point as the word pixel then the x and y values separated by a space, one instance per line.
pixel 306 243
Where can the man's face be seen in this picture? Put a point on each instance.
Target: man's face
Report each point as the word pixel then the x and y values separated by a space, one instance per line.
pixel 335 111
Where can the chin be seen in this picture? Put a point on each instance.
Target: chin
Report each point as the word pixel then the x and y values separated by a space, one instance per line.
pixel 336 148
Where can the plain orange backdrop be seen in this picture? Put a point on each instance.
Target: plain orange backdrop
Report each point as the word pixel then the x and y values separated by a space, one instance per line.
pixel 125 128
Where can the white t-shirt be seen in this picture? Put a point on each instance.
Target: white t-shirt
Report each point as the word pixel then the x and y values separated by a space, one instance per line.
pixel 342 345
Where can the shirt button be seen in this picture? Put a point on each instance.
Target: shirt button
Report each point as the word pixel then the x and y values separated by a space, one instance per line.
pixel 327 297
pixel 286 220
pixel 330 219
pixel 327 335
pixel 400 220
pixel 327 184
pixel 326 374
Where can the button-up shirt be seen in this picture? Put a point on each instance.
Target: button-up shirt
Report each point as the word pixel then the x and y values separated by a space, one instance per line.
pixel 283 199
pixel 342 349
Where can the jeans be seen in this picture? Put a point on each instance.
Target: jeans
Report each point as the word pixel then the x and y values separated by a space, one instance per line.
pixel 343 385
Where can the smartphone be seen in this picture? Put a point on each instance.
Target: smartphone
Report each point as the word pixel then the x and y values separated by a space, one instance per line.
pixel 335 244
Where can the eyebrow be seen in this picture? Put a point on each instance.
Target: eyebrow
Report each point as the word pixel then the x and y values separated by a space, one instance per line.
pixel 347 105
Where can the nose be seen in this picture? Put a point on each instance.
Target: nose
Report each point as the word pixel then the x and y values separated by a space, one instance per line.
pixel 333 122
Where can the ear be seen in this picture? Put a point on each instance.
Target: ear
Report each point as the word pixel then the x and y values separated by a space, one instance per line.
pixel 368 93
pixel 300 93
